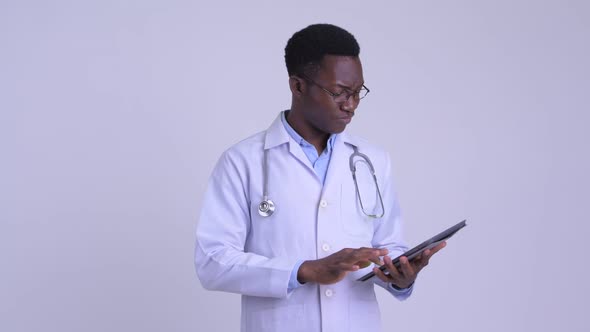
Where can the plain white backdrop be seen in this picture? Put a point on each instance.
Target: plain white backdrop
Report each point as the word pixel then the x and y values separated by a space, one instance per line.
pixel 113 113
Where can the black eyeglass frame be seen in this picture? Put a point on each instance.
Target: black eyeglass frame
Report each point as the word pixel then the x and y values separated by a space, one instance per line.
pixel 336 95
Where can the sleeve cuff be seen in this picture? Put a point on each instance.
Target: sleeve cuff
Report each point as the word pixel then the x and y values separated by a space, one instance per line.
pixel 293 282
pixel 400 292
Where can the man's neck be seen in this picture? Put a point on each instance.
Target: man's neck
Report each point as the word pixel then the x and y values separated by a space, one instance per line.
pixel 315 137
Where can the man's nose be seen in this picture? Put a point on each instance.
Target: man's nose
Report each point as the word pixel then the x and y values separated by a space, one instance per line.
pixel 349 105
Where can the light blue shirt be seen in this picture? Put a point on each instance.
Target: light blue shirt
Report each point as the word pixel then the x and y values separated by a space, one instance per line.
pixel 320 165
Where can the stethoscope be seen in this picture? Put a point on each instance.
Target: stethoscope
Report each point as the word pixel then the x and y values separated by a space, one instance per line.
pixel 267 207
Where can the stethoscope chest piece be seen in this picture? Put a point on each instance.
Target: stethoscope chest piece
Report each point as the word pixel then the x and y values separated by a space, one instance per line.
pixel 266 208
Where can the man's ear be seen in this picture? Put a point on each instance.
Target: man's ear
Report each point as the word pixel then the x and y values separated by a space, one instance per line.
pixel 296 85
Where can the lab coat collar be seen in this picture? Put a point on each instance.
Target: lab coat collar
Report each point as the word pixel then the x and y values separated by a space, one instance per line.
pixel 276 135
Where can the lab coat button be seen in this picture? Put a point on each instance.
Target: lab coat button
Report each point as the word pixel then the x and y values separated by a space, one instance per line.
pixel 329 293
pixel 326 247
pixel 323 203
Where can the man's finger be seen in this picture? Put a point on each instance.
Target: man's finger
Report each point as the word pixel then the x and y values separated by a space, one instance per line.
pixel 406 267
pixel 348 267
pixel 437 248
pixel 393 271
pixel 377 261
pixel 367 263
pixel 364 264
pixel 374 251
pixel 425 256
pixel 365 254
pixel 381 275
pixel 422 261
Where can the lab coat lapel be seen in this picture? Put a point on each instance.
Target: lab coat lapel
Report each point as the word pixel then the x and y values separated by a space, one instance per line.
pixel 276 135
pixel 339 162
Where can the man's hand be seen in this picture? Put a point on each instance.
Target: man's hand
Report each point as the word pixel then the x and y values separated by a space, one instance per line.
pixel 408 271
pixel 335 267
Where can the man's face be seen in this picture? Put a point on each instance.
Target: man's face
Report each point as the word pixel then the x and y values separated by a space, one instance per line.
pixel 337 74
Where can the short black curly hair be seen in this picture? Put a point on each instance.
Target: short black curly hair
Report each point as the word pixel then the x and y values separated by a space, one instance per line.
pixel 307 47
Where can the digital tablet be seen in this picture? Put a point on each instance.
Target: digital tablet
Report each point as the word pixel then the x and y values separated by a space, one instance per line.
pixel 417 250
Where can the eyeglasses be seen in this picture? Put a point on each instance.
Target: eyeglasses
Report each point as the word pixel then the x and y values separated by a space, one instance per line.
pixel 343 96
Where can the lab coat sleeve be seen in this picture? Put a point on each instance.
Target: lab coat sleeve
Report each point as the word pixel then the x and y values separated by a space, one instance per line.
pixel 220 259
pixel 389 231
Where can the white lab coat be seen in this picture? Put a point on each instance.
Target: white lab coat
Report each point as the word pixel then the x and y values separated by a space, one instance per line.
pixel 239 251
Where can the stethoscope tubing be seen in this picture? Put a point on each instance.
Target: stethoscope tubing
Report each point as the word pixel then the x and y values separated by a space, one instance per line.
pixel 267 207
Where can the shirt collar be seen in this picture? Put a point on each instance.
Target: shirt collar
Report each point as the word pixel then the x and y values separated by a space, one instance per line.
pixel 278 134
pixel 300 140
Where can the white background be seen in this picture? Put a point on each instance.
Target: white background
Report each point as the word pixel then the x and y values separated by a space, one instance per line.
pixel 113 114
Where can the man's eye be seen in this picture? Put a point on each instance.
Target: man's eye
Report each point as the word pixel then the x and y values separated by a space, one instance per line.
pixel 348 92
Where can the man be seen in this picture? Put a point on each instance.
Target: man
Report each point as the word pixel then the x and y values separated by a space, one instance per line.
pixel 285 224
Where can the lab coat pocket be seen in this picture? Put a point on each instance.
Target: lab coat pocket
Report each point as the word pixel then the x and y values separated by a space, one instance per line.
pixel 364 315
pixel 353 221
pixel 281 318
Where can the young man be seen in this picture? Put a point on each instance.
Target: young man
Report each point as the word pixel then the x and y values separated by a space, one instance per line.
pixel 293 216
